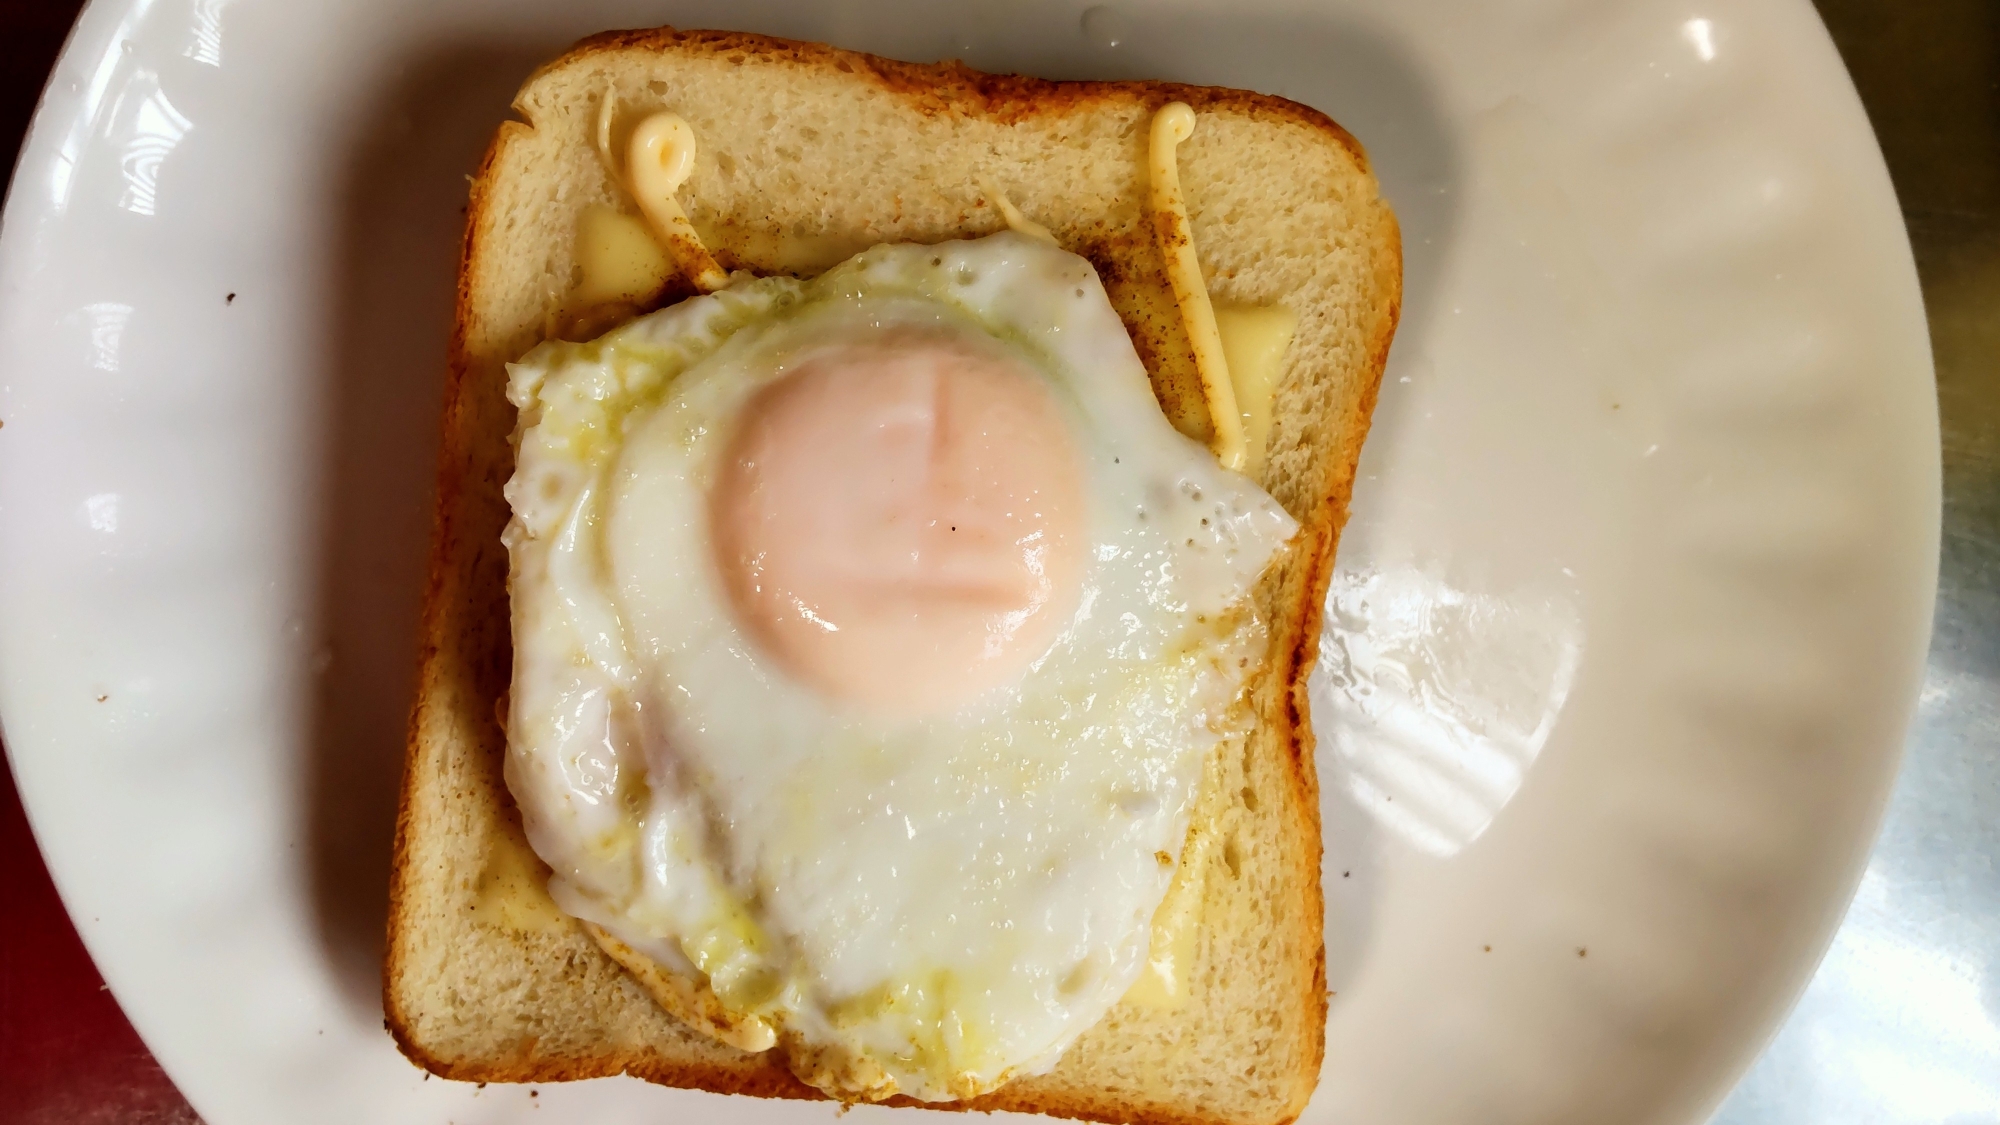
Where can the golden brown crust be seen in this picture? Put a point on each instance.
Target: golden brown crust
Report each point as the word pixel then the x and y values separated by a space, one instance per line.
pixel 765 1078
pixel 947 88
pixel 1303 653
pixel 452 464
pixel 952 88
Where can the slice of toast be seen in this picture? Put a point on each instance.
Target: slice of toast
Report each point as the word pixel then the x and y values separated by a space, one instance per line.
pixel 808 154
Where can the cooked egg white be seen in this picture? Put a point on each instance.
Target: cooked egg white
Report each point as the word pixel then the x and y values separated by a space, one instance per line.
pixel 924 891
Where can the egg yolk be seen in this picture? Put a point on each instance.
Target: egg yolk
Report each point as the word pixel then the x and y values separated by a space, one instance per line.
pixel 899 519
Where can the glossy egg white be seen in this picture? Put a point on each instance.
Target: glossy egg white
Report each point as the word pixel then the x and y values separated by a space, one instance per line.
pixel 933 904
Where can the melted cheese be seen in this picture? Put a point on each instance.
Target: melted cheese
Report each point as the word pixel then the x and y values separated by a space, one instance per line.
pixel 617 258
pixel 512 894
pixel 1163 983
pixel 767 250
pixel 1254 340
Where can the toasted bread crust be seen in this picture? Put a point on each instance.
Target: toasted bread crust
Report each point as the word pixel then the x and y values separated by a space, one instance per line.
pixel 950 88
pixel 944 89
pixel 453 461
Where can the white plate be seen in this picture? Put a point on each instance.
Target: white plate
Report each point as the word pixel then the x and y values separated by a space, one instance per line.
pixel 1629 618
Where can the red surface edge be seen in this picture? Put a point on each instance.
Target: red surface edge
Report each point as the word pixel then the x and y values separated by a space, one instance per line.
pixel 68 1056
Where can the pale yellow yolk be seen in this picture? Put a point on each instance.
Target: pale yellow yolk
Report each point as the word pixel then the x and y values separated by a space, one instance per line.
pixel 900 520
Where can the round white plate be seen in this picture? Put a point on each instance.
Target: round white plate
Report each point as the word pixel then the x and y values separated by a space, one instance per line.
pixel 1627 628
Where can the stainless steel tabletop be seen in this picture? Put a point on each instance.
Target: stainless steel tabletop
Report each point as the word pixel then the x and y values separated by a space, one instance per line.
pixel 1902 1023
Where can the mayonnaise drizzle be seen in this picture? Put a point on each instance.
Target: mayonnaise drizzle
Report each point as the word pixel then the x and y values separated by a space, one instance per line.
pixel 657 162
pixel 1173 124
pixel 1011 215
pixel 607 106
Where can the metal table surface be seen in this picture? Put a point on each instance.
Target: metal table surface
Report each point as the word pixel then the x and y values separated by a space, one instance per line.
pixel 1902 1023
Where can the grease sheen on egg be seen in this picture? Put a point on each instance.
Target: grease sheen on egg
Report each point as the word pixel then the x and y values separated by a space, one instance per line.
pixel 924 899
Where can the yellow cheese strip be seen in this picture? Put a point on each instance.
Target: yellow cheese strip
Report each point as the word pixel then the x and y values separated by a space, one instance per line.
pixel 1172 125
pixel 617 259
pixel 512 894
pixel 1254 341
pixel 1163 983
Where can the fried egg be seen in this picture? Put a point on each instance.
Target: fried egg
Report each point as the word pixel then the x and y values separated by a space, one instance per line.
pixel 871 634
